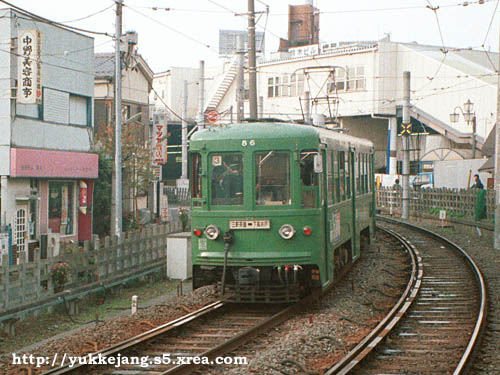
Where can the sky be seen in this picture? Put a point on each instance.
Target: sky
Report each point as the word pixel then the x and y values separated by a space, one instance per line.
pixel 180 33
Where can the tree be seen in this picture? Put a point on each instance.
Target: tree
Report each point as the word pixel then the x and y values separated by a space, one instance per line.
pixel 137 172
pixel 102 196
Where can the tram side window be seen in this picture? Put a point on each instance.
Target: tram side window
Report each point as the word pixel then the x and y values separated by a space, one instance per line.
pixel 336 176
pixel 362 173
pixel 272 173
pixel 370 175
pixel 365 173
pixel 196 175
pixel 329 178
pixel 226 179
pixel 342 174
pixel 347 176
pixel 357 173
pixel 309 178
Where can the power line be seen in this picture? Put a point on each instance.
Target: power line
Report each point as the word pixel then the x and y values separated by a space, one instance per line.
pixel 90 15
pixel 171 28
pixel 166 106
pixel 54 23
pixel 49 64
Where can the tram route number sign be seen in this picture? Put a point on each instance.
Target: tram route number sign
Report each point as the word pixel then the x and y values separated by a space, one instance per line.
pixel 212 116
pixel 249 224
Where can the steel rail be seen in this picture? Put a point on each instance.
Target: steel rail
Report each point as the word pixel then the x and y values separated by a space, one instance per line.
pixel 481 318
pixel 155 332
pixel 237 341
pixel 360 351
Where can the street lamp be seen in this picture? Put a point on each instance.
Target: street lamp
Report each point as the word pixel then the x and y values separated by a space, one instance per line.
pixel 469 117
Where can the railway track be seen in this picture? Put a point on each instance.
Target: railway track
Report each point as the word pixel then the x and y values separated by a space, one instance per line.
pixel 436 325
pixel 207 333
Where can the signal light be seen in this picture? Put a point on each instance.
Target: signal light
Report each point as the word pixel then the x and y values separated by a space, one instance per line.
pixel 307 231
pixel 197 232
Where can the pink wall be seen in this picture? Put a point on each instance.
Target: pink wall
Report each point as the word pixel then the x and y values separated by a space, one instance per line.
pixel 44 163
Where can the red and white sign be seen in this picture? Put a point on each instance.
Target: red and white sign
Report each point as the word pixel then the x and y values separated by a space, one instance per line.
pixel 159 143
pixel 212 116
pixel 83 197
pixel 29 67
pixel 43 163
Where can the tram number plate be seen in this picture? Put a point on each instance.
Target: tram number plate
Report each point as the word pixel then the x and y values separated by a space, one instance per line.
pixel 249 224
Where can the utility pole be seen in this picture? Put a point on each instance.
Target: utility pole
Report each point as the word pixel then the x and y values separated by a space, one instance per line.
pixel 474 142
pixel 184 130
pixel 393 145
pixel 117 225
pixel 406 146
pixel 240 92
pixel 261 107
pixel 307 107
pixel 201 95
pixel 252 71
pixel 496 241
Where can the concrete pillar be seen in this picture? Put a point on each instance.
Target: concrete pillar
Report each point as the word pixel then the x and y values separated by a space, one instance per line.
pixel 393 142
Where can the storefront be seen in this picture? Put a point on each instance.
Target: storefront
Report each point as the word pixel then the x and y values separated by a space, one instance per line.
pixel 50 194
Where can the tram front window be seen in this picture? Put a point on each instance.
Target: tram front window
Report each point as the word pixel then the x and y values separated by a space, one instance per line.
pixel 272 185
pixel 226 173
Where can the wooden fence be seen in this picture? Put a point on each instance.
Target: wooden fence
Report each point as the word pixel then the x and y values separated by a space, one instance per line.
pixel 96 263
pixel 456 202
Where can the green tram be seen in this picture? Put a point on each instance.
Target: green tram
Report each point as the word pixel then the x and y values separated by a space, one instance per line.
pixel 278 209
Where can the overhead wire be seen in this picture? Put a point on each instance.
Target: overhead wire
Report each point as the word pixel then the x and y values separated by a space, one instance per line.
pixel 172 29
pixel 486 37
pixel 49 64
pixel 46 20
pixel 89 16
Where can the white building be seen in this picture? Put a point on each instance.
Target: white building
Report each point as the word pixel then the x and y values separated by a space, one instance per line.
pixel 359 85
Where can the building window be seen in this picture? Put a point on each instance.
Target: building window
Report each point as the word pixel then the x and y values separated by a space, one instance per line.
pixel 61 207
pixel 286 85
pixel 78 110
pixel 355 80
pixel 65 108
pixel 273 87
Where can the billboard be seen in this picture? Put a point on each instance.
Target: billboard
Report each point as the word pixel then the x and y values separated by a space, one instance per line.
pixel 228 41
pixel 29 68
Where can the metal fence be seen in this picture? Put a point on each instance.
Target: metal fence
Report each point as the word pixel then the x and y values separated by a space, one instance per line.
pixel 456 202
pixel 177 196
pixel 96 264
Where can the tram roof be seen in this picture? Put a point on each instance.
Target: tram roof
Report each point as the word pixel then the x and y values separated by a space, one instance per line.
pixel 259 130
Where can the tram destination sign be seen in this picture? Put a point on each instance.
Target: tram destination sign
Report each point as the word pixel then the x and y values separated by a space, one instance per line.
pixel 249 224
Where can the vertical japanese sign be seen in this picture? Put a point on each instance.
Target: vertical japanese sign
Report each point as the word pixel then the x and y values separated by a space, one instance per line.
pixel 29 67
pixel 159 145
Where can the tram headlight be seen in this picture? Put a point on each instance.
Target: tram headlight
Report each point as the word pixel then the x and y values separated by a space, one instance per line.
pixel 212 232
pixel 286 231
